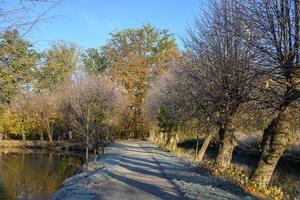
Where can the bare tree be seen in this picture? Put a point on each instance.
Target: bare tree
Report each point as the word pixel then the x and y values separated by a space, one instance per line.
pixel 171 105
pixel 94 101
pixel 221 73
pixel 274 32
pixel 45 108
pixel 23 15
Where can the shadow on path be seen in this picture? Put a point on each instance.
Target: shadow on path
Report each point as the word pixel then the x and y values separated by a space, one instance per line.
pixel 149 188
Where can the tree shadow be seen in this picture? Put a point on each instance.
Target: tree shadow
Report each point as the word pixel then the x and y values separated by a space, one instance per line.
pixel 148 188
pixel 163 154
pixel 205 181
pixel 159 166
pixel 137 163
pixel 141 170
pixel 148 161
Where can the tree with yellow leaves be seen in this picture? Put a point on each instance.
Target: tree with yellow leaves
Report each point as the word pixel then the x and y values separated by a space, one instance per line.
pixel 135 57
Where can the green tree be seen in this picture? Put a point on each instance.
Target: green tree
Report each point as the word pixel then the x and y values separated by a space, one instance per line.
pixel 166 118
pixel 57 64
pixel 134 58
pixel 93 61
pixel 17 61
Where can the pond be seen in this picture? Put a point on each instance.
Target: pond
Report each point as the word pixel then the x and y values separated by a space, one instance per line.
pixel 34 174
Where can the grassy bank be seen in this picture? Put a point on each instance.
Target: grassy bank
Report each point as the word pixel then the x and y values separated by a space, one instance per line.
pixel 37 144
pixel 285 183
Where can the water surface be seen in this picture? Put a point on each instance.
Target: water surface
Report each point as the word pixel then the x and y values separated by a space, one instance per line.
pixel 34 174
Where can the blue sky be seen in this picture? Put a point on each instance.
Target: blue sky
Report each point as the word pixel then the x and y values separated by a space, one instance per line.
pixel 89 22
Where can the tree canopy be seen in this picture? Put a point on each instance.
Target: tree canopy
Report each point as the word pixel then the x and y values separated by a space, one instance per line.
pixel 135 57
pixel 18 59
pixel 93 61
pixel 56 65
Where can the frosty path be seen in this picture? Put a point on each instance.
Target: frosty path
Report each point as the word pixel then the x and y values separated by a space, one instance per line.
pixel 140 171
pixel 138 176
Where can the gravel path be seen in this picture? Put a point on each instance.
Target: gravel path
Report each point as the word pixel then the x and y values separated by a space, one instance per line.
pixel 140 171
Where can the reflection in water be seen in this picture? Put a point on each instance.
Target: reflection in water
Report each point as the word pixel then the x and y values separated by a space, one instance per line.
pixel 34 175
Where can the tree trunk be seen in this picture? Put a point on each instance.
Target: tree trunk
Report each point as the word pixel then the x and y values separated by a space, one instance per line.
pixel 174 145
pixel 152 135
pixel 197 147
pixel 95 154
pixel 166 139
pixel 98 144
pixel 87 148
pixel 87 136
pixel 170 143
pixel 274 144
pixel 50 137
pixel 204 147
pixel 113 137
pixel 102 143
pixel 161 138
pixel 267 165
pixel 226 146
pixel 50 134
pixel 157 138
pixel 95 143
pixel 48 129
pixel 268 132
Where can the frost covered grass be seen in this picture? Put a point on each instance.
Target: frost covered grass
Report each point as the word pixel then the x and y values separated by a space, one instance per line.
pixel 196 185
pixel 285 183
pixel 85 184
pixel 232 175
